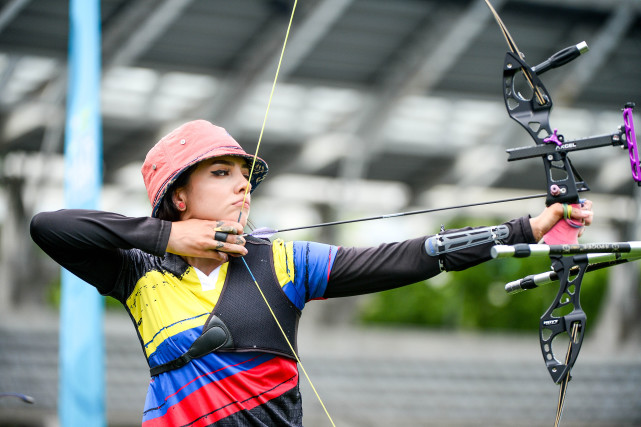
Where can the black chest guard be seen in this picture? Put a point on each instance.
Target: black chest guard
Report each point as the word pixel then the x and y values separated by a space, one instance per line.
pixel 241 321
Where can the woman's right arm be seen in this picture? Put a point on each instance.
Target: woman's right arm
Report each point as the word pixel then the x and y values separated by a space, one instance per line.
pixel 89 243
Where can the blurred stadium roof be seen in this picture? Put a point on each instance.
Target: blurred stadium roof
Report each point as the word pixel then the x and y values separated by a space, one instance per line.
pixel 404 95
pixel 406 91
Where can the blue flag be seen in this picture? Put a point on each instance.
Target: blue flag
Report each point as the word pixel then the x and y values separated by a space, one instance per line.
pixel 82 374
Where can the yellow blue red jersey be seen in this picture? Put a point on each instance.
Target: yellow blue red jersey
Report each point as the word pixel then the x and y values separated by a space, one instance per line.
pixel 169 301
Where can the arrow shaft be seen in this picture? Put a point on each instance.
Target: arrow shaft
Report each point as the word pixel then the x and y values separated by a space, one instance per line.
pixel 401 214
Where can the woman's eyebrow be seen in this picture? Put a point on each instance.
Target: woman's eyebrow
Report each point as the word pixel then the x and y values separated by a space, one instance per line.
pixel 222 161
pixel 225 162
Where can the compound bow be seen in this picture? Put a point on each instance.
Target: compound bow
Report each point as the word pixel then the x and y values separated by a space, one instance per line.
pixel 529 103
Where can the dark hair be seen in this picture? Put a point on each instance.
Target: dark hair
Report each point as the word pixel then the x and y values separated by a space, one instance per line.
pixel 167 210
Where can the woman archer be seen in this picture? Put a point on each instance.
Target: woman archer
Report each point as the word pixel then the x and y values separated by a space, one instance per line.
pixel 186 275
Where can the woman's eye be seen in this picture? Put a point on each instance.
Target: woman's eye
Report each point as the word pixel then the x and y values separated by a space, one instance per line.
pixel 219 172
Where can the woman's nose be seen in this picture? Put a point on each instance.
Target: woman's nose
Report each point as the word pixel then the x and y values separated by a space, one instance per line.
pixel 243 183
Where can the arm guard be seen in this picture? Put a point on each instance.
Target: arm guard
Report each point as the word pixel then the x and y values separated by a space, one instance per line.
pixel 450 242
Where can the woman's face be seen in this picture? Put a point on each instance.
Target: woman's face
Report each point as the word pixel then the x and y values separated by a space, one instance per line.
pixel 216 190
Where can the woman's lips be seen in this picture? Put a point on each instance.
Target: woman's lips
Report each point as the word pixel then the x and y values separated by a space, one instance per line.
pixel 242 203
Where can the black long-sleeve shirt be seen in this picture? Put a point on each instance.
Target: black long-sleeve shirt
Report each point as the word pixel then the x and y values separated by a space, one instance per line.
pixel 89 244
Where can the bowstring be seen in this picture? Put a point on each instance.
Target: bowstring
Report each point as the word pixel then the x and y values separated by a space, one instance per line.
pixel 260 138
pixel 566 379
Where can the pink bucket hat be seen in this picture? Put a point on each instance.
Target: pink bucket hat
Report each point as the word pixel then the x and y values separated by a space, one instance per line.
pixel 185 146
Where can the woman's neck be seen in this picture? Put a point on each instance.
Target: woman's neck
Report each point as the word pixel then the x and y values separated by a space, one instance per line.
pixel 206 265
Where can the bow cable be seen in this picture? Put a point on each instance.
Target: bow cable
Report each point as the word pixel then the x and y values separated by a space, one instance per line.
pixel 260 137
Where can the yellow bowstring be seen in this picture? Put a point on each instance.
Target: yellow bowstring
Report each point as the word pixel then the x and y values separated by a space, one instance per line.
pixel 260 138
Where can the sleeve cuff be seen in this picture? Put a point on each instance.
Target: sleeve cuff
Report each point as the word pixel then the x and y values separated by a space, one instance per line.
pixel 163 238
pixel 521 231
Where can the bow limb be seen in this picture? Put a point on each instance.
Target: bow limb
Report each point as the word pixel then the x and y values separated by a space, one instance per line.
pixel 529 103
pixel 554 322
pixel 565 317
pixel 527 73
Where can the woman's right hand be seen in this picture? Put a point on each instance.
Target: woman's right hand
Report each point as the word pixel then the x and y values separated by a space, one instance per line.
pixel 197 238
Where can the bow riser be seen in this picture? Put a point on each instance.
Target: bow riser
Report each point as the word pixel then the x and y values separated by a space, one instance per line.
pixel 529 104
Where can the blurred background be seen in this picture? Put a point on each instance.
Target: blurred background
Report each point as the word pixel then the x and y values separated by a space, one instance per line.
pixel 381 106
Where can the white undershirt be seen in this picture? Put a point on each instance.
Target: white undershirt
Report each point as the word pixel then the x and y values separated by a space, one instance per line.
pixel 208 282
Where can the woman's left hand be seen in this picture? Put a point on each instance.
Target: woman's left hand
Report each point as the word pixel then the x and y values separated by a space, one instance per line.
pixel 552 214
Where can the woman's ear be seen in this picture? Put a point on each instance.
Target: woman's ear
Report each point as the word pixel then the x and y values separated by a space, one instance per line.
pixel 178 198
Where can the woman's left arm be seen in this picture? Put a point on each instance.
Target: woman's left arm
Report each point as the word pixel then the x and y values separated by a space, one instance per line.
pixel 359 271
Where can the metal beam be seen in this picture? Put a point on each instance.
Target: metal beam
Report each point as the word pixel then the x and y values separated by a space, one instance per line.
pixel 253 72
pixel 610 35
pixel 8 71
pixel 415 80
pixel 160 18
pixel 118 30
pixel 10 11
pixel 598 5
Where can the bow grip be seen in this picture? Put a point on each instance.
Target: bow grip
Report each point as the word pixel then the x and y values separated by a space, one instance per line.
pixel 566 231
